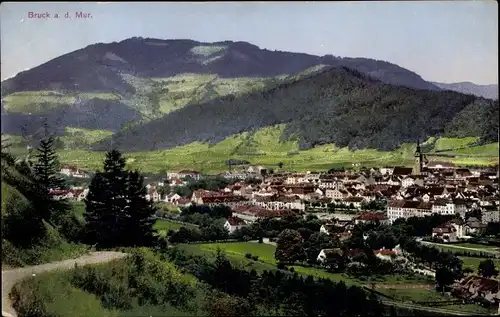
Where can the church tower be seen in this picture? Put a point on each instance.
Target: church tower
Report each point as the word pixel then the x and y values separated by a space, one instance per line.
pixel 417 165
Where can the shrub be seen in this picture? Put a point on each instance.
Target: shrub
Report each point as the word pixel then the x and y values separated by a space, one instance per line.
pixel 281 266
pixel 255 258
pixel 248 255
pixel 292 269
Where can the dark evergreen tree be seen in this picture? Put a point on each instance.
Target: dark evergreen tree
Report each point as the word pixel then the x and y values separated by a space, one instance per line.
pixel 117 212
pixel 47 165
pixel 45 170
pixel 139 211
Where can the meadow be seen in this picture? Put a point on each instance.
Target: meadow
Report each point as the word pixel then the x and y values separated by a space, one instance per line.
pixel 261 147
pixel 399 287
pixel 265 252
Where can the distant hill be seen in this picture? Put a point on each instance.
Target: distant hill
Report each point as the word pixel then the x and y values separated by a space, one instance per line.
pixel 333 105
pixel 486 91
pixel 99 67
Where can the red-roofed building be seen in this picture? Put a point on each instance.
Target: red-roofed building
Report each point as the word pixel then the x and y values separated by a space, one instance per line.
pixel 446 232
pixel 233 223
pixel 367 217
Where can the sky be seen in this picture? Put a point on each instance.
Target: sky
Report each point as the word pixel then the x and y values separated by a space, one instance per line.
pixel 443 41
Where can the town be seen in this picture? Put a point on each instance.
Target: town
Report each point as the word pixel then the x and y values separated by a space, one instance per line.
pixel 467 201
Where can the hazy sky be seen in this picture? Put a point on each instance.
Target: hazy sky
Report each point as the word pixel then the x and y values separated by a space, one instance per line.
pixel 448 41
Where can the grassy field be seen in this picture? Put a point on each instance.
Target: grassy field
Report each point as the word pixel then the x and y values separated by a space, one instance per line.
pixel 75 138
pixel 476 246
pixel 443 144
pixel 452 248
pixel 59 297
pixel 236 253
pixel 261 147
pixel 39 101
pixel 473 262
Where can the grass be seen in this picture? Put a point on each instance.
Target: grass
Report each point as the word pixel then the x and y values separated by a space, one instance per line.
pixel 452 249
pixel 236 252
pixel 473 263
pixel 443 144
pixel 54 295
pixel 40 101
pixel 261 147
pixel 75 138
pixel 476 246
pixel 35 101
pixel 60 298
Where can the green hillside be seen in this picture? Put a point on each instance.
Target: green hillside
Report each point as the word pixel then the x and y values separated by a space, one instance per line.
pixel 154 97
pixel 41 101
pixel 264 147
pixel 331 105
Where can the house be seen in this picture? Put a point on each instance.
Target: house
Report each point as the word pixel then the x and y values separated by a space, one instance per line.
pixel 234 223
pixel 372 217
pixel 172 198
pixel 356 202
pixel 153 195
pixel 183 202
pixel 402 171
pixel 336 193
pixel 386 170
pixel 407 209
pixel 474 226
pixel 440 165
pixel 325 253
pixel 446 232
pixel 386 254
pixel 476 287
pixel 185 173
pixel 490 215
pixel 72 171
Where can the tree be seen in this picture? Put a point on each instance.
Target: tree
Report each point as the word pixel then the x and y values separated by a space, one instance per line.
pixel 487 268
pixel 46 174
pixel 117 212
pixel 444 277
pixel 47 166
pixel 289 246
pixel 317 242
pixel 139 220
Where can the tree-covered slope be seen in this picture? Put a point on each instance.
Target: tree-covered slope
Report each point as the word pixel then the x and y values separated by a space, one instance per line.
pixel 335 105
pixel 106 86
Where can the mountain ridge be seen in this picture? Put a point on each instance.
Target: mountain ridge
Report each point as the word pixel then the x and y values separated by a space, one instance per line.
pixel 334 105
pixel 467 87
pixel 78 70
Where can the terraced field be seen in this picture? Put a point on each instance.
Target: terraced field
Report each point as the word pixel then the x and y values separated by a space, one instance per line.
pixel 261 147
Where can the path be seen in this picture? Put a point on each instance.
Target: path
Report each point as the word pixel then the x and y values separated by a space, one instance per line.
pixel 11 276
pixel 264 240
pixel 460 247
pixel 429 309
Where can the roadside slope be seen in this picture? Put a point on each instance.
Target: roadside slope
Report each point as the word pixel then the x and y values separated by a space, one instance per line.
pixel 10 277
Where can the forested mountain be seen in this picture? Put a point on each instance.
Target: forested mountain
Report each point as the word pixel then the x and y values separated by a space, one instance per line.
pixel 486 91
pixel 98 67
pixel 335 105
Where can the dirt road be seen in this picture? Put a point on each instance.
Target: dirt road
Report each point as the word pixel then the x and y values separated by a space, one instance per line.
pixel 11 276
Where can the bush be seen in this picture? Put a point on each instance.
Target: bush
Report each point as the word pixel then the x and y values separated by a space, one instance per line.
pixel 281 266
pixel 248 255
pixel 255 258
pixel 292 269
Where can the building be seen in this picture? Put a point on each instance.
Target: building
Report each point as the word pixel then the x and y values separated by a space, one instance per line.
pixel 445 232
pixel 234 223
pixel 407 209
pixel 372 217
